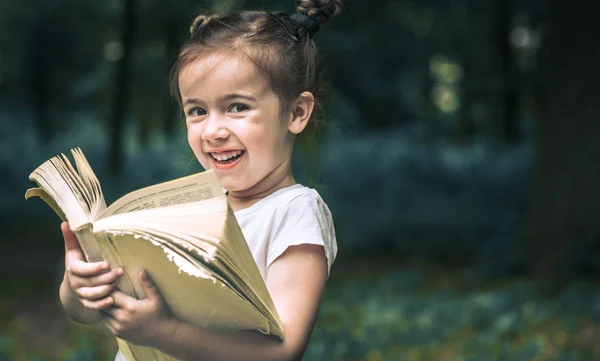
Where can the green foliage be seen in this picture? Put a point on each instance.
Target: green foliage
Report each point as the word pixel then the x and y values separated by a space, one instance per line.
pixel 83 350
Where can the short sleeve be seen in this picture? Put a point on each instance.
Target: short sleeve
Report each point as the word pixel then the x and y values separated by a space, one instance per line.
pixel 306 219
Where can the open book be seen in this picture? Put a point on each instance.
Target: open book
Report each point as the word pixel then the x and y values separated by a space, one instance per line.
pixel 183 232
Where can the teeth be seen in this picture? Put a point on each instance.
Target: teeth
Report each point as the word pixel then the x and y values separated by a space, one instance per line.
pixel 226 155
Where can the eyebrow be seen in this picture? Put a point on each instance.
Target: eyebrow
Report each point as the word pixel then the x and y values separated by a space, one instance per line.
pixel 191 101
pixel 238 95
pixel 196 101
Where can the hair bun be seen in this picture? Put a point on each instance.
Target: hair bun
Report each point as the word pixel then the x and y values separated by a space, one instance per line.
pixel 200 21
pixel 320 10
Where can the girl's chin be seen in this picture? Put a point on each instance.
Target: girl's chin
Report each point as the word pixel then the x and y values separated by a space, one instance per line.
pixel 230 185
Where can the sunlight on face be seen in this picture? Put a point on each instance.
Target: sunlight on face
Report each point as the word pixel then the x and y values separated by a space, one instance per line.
pixel 234 122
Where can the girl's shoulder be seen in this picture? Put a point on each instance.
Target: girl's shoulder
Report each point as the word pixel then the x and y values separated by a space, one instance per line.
pixel 294 196
pixel 290 216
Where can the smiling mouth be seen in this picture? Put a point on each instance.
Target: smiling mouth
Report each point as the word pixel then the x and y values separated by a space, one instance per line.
pixel 227 157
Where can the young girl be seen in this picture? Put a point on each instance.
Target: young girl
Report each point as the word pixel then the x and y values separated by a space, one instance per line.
pixel 246 83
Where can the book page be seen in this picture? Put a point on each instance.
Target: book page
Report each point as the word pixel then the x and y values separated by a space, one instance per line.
pixel 188 189
pixel 70 195
pixel 89 179
pixel 40 192
pixel 192 293
pixel 88 243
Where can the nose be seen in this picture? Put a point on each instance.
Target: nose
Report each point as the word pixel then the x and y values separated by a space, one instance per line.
pixel 214 128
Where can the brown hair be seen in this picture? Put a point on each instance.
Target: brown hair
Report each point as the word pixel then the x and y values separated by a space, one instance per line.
pixel 266 39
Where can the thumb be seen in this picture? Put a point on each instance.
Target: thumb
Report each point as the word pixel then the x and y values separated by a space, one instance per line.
pixel 149 287
pixel 71 243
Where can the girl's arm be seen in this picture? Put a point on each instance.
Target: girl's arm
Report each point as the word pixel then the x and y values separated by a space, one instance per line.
pixel 295 281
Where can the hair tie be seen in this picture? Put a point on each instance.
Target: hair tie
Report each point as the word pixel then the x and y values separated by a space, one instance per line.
pixel 303 25
pixel 292 32
pixel 306 24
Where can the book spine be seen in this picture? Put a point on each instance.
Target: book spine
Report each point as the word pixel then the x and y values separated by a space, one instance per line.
pixel 88 243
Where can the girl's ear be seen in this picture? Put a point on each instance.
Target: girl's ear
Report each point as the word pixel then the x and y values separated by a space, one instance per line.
pixel 301 111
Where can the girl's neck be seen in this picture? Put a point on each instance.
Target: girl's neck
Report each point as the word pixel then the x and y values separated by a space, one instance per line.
pixel 279 178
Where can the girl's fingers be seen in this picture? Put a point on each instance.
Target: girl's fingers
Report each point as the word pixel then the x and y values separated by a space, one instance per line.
pixel 110 325
pixel 97 304
pixel 86 269
pixel 97 292
pixel 71 243
pixel 149 287
pixel 105 278
pixel 102 279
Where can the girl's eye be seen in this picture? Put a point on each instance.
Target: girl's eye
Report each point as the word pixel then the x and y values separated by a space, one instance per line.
pixel 196 112
pixel 237 108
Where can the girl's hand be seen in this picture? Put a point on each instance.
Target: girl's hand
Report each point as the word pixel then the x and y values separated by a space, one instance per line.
pixel 92 282
pixel 141 322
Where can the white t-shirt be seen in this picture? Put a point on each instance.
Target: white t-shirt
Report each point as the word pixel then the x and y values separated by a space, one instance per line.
pixel 290 216
pixel 287 217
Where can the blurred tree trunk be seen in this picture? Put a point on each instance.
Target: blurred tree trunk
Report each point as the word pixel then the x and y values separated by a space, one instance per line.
pixel 565 203
pixel 170 106
pixel 508 129
pixel 504 100
pixel 39 83
pixel 123 88
pixel 41 58
pixel 463 39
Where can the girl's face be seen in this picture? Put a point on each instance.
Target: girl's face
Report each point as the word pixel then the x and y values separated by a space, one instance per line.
pixel 234 123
